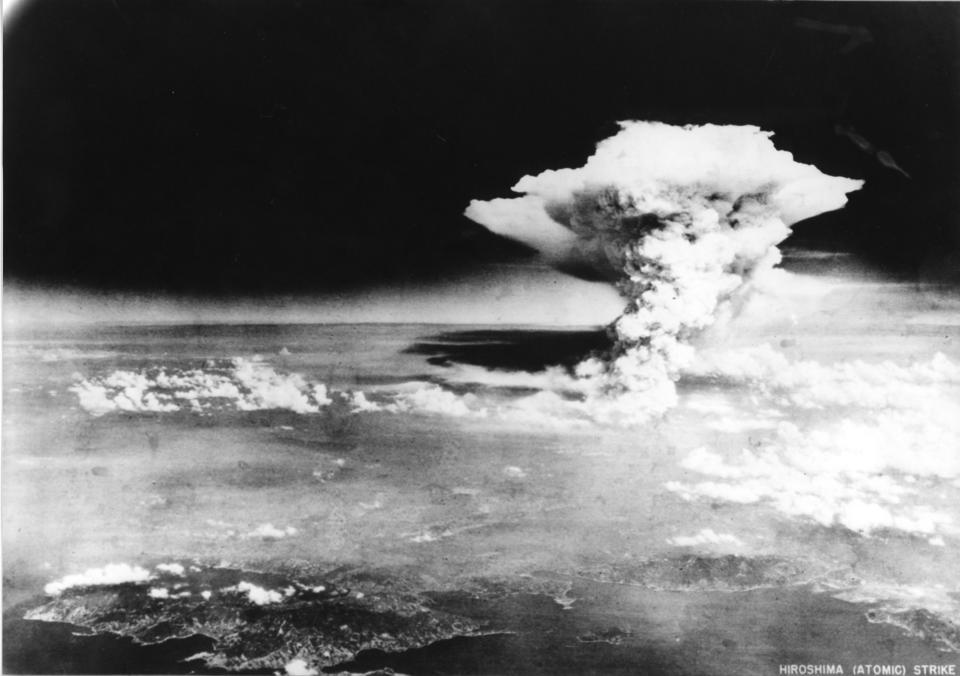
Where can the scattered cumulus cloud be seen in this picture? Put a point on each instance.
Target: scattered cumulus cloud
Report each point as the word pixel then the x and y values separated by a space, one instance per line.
pixel 158 593
pixel 111 574
pixel 241 384
pixel 812 385
pixel 172 569
pixel 855 444
pixel 257 595
pixel 862 475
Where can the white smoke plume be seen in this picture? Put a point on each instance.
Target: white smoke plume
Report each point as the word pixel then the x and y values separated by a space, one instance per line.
pixel 682 218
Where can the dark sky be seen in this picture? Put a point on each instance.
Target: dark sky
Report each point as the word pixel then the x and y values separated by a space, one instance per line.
pixel 250 146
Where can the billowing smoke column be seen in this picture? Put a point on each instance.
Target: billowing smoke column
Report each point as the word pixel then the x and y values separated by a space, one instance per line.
pixel 682 218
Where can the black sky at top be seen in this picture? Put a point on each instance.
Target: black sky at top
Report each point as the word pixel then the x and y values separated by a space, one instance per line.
pixel 285 145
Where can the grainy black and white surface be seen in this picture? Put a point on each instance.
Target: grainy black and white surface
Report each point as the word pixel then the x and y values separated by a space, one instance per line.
pixel 481 337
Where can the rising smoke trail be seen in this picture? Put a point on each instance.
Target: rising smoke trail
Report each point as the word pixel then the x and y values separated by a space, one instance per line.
pixel 682 218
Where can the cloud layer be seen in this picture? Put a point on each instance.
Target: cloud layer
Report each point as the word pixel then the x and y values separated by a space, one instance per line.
pixel 866 446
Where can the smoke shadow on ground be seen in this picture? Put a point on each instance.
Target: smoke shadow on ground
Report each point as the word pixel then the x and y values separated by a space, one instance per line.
pixel 528 350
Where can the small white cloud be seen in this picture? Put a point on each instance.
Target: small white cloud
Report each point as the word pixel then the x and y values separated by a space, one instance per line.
pixel 513 472
pixel 705 537
pixel 299 667
pixel 360 403
pixel 172 568
pixel 257 595
pixel 426 536
pixel 271 532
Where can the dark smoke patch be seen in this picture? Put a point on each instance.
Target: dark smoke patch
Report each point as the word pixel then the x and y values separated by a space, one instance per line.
pixel 514 350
